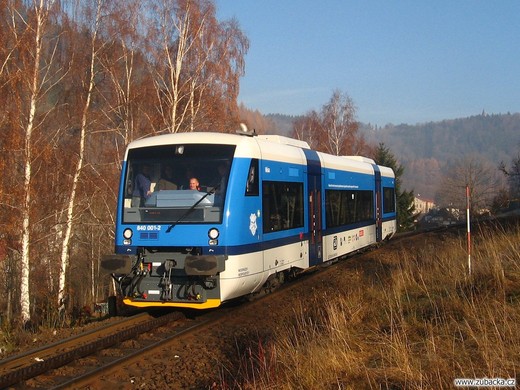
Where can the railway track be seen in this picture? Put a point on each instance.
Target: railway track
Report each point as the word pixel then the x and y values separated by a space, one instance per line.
pixel 16 369
pixel 76 362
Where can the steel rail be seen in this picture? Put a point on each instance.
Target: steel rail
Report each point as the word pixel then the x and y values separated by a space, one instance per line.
pixel 85 378
pixel 28 365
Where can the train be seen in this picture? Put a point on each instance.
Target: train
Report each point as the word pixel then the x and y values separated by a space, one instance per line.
pixel 204 218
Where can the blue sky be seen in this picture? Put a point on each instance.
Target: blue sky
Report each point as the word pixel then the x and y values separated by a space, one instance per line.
pixel 400 61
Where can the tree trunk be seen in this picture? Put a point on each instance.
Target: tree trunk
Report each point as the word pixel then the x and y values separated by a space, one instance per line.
pixel 25 306
pixel 65 253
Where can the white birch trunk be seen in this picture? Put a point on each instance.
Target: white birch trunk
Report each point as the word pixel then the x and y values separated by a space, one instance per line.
pixel 65 253
pixel 175 69
pixel 177 89
pixel 25 303
pixel 123 94
pixel 128 117
pixel 26 233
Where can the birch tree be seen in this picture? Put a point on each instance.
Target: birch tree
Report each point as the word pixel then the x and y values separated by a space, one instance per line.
pixel 223 49
pixel 176 34
pixel 126 101
pixel 333 129
pixel 37 72
pixel 89 90
pixel 194 55
pixel 339 124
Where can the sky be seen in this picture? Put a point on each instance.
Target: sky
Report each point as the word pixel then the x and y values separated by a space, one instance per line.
pixel 401 61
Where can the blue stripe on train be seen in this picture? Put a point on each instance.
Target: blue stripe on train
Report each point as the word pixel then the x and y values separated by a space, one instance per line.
pixel 268 243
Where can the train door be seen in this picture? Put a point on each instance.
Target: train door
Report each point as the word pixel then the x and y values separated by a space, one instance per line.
pixel 314 205
pixel 379 209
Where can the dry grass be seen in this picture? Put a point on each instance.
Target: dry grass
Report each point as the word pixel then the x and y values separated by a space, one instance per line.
pixel 418 323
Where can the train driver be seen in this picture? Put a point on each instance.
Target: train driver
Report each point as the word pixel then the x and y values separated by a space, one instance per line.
pixel 194 184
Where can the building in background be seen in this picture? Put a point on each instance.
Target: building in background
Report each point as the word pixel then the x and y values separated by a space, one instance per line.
pixel 423 205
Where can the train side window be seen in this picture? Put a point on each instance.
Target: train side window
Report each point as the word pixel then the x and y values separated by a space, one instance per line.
pixel 348 207
pixel 282 205
pixel 388 200
pixel 252 185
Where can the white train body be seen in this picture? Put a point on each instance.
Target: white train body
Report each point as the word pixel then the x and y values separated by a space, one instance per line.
pixel 268 206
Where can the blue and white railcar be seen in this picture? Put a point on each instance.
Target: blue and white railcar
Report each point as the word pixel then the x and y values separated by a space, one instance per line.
pixel 267 207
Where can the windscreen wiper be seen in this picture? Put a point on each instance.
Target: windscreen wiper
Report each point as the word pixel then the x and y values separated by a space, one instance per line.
pixel 188 212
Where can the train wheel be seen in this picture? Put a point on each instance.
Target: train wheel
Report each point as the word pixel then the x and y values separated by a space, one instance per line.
pixel 281 277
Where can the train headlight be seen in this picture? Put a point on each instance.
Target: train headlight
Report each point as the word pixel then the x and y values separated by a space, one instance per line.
pixel 128 233
pixel 213 233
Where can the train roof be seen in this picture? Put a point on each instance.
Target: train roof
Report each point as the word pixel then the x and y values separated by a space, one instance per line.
pixel 280 139
pixel 269 147
pixel 264 146
pixel 180 138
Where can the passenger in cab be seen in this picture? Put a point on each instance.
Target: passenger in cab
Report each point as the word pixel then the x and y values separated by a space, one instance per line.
pixel 166 181
pixel 142 186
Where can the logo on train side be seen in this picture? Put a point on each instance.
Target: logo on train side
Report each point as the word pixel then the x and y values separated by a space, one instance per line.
pixel 335 243
pixel 252 224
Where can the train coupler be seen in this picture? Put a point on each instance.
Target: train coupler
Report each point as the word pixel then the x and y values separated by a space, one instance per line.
pixel 166 289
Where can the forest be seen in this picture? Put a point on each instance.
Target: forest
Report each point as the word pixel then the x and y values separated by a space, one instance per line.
pixel 79 80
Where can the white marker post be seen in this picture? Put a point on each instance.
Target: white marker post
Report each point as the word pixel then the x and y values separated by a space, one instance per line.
pixel 469 230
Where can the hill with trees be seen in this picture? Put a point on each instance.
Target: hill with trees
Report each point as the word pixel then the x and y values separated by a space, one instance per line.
pixel 429 151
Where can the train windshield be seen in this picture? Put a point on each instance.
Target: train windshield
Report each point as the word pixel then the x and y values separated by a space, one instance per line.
pixel 177 184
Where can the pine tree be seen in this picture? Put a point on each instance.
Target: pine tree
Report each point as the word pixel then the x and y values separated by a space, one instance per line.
pixel 405 199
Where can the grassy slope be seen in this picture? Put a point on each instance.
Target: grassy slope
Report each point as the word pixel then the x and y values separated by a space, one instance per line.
pixel 412 319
